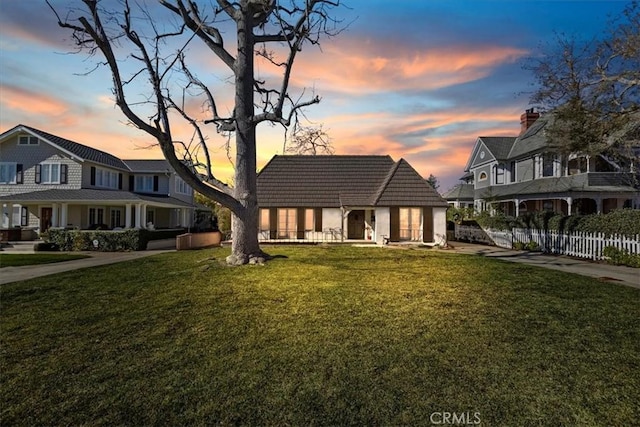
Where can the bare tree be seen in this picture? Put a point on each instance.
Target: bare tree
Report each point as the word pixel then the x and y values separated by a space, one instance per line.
pixel 138 46
pixel 593 91
pixel 309 140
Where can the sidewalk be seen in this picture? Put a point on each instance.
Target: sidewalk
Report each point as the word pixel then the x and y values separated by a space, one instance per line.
pixel 15 274
pixel 604 272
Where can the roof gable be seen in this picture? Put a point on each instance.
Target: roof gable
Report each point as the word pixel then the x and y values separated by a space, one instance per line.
pixel 479 155
pixel 74 149
pixel 405 187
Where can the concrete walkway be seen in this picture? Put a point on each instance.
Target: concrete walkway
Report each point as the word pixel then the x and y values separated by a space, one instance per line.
pixel 604 272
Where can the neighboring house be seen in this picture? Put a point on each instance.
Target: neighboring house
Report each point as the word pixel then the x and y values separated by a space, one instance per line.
pixel 520 174
pixel 337 198
pixel 48 181
pixel 460 196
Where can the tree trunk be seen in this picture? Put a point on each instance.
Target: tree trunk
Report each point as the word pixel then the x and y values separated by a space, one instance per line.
pixel 244 225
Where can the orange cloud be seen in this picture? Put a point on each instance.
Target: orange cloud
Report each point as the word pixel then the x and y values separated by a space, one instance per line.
pixel 354 67
pixel 14 98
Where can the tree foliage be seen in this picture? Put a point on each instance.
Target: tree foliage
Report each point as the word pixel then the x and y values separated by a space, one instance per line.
pixel 155 54
pixel 433 181
pixel 593 89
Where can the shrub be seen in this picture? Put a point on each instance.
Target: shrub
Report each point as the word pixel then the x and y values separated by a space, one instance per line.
pixel 621 257
pixel 107 241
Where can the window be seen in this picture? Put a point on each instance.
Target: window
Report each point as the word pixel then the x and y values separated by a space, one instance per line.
pixel 116 218
pixel 309 220
pixel 151 216
pixel 50 173
pixel 483 176
pixel 28 140
pixel 144 183
pixel 264 220
pixel 410 222
pixel 182 187
pixel 106 179
pixel 9 173
pixel 498 173
pixel 548 161
pixel 287 223
pixel 96 216
pixel 24 216
pixel 513 172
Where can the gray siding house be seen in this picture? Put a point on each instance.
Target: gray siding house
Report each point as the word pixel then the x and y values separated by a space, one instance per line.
pixel 519 174
pixel 49 181
pixel 338 198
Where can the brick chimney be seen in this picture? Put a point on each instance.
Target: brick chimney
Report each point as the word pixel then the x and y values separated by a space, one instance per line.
pixel 527 119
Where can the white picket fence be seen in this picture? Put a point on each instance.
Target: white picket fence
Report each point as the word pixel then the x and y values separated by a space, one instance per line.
pixel 581 245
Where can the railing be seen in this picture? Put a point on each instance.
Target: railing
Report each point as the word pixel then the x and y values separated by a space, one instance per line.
pixel 579 244
pixel 328 235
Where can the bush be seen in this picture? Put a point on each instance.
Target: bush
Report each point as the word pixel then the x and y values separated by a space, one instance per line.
pixel 621 257
pixel 107 241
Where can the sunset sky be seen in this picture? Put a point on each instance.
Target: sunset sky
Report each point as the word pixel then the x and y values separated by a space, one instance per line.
pixel 415 79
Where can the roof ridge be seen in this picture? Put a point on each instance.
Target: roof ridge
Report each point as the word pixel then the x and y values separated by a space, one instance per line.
pixel 386 181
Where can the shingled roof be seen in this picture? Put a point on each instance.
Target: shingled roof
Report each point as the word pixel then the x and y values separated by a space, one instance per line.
pixel 336 181
pixel 498 145
pixel 79 150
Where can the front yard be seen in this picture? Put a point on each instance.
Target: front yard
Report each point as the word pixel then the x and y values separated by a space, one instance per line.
pixel 319 336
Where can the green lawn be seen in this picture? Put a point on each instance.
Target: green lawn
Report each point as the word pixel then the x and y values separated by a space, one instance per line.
pixel 319 336
pixel 19 260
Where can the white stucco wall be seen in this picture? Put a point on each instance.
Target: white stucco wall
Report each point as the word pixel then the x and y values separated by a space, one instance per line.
pixel 439 225
pixel 331 221
pixel 383 224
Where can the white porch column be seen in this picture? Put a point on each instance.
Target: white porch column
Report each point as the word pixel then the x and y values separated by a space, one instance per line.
pixel 138 215
pixel 569 203
pixel 184 221
pixel 54 215
pixel 10 208
pixel 143 215
pixel 127 215
pixel 517 203
pixel 64 215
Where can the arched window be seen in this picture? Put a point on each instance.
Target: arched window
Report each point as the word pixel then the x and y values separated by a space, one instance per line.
pixel 483 176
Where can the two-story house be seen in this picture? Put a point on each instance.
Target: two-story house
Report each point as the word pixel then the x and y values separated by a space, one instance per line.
pixel 49 181
pixel 519 174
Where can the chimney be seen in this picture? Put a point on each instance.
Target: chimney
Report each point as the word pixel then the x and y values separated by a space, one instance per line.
pixel 527 119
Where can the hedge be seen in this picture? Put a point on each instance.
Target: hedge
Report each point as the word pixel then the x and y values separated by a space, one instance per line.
pixel 621 221
pixel 107 241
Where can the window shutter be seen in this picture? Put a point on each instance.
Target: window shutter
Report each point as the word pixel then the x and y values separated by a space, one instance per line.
pixel 427 226
pixel 120 181
pixel 19 174
pixel 318 216
pixel 38 173
pixel 93 175
pixel 131 186
pixel 64 173
pixel 300 229
pixel 155 183
pixel 273 223
pixel 394 220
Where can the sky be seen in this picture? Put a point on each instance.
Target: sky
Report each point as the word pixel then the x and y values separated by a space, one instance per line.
pixel 414 79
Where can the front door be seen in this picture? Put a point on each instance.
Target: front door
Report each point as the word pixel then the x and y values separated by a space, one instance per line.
pixel 355 225
pixel 45 218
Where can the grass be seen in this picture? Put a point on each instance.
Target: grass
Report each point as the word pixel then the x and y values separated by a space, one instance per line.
pixel 319 336
pixel 19 260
